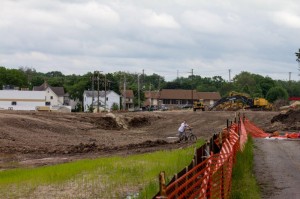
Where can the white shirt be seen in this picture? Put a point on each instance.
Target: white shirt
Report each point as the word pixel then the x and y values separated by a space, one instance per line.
pixel 182 127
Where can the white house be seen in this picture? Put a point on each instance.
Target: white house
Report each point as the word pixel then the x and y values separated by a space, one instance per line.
pixel 54 95
pixel 21 100
pixel 111 98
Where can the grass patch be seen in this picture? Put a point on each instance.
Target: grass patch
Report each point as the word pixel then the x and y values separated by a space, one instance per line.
pixel 243 181
pixel 111 177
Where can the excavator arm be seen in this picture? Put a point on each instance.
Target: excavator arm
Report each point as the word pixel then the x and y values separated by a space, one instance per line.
pixel 234 99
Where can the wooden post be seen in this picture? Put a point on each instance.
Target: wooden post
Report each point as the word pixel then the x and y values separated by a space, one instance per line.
pixel 220 139
pixel 195 157
pixel 227 123
pixel 186 177
pixel 162 185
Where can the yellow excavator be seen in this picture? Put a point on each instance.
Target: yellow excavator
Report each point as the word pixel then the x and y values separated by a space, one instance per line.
pixel 236 101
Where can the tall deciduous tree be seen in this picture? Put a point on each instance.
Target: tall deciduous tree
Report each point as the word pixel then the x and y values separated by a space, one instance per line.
pixel 276 93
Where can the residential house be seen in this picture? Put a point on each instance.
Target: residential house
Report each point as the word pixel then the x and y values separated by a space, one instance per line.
pixel 181 97
pixel 54 95
pixel 70 102
pixel 128 96
pixel 106 100
pixel 151 99
pixel 21 100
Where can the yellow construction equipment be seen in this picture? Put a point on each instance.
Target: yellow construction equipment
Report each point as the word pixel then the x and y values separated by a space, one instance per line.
pixel 198 105
pixel 236 101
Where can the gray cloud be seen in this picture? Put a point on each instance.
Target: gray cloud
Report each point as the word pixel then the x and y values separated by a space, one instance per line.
pixel 163 37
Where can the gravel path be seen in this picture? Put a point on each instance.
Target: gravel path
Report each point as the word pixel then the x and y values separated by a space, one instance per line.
pixel 277 167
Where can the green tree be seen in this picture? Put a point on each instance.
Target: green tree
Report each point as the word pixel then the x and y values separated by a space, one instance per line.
pixel 266 84
pixel 277 93
pixel 245 82
pixel 2 76
pixel 16 77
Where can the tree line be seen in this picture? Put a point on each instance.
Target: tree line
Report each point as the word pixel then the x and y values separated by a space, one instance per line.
pixel 245 82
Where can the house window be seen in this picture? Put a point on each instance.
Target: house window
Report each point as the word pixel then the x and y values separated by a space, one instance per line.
pixel 14 103
pixel 51 97
pixel 47 103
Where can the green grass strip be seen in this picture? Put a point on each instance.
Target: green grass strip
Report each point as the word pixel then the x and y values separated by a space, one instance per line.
pixel 244 184
pixel 110 177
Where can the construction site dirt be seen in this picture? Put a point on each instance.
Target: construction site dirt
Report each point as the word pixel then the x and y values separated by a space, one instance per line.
pixel 31 139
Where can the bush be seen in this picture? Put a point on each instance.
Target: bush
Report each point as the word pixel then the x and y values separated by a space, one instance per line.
pixel 277 93
pixel 115 107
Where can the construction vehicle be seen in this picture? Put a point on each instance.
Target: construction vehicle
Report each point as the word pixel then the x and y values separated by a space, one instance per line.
pixel 236 101
pixel 198 105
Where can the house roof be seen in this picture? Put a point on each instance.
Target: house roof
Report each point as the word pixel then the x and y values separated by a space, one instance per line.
pixel 187 94
pixel 152 94
pixel 209 95
pixel 177 94
pixel 128 93
pixel 11 95
pixel 101 93
pixel 59 91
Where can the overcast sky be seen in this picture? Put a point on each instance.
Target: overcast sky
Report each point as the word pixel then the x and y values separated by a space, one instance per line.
pixel 166 37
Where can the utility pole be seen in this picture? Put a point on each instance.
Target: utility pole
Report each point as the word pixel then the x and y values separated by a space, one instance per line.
pixel 290 74
pixel 93 95
pixel 139 103
pixel 143 80
pixel 98 86
pixel 192 72
pixel 105 92
pixel 124 94
pixel 177 74
pixel 298 60
pixel 150 97
pixel 229 75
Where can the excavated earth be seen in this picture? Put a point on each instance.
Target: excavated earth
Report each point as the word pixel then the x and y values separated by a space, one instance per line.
pixel 31 139
pixel 41 138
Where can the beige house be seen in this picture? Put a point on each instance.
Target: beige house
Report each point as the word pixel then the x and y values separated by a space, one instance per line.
pixel 127 98
pixel 151 98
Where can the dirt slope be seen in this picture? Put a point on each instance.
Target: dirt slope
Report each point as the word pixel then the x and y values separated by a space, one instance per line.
pixel 35 138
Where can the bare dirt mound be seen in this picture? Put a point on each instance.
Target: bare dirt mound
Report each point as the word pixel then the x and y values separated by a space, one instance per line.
pixel 287 121
pixel 289 117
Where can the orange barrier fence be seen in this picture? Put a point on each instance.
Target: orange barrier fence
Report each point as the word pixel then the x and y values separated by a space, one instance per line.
pixel 209 174
pixel 254 131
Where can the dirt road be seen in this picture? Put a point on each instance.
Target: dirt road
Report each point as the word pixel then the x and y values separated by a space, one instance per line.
pixel 277 167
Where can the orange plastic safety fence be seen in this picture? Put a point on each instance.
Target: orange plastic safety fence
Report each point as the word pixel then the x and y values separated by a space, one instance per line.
pixel 243 135
pixel 212 177
pixel 254 131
